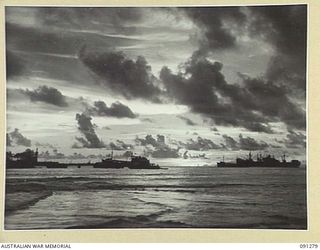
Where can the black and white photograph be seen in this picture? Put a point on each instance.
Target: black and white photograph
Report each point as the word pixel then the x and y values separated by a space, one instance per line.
pixel 175 117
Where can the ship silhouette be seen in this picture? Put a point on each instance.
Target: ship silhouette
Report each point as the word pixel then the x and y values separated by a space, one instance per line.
pixel 267 161
pixel 135 162
pixel 29 159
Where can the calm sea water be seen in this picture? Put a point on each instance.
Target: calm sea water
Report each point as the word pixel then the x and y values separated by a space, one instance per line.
pixel 196 197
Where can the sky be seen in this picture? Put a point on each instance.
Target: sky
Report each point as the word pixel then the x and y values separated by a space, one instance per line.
pixel 180 85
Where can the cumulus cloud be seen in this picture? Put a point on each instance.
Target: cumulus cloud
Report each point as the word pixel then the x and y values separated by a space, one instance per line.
pixel 48 95
pixel 157 148
pixel 249 143
pixel 120 145
pixel 215 35
pixel 294 140
pixel 200 144
pixel 117 109
pixel 252 105
pixel 230 142
pixel 131 79
pixel 164 152
pixel 187 120
pixel 148 140
pixel 244 143
pixel 18 139
pixel 86 128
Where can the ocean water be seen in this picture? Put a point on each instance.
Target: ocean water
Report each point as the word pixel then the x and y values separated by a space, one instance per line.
pixel 177 197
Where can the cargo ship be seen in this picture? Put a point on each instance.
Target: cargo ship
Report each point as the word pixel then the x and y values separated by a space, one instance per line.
pixel 263 162
pixel 136 162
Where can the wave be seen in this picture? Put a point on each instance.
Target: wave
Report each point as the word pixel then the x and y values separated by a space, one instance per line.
pixel 84 183
pixel 139 221
pixel 23 200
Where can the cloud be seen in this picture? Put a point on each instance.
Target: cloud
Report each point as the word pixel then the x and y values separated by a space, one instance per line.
pixel 202 87
pixel 114 18
pixel 148 140
pixel 295 140
pixel 117 109
pixel 280 26
pixel 215 35
pixel 55 155
pixel 187 120
pixel 157 148
pixel 131 79
pixel 14 65
pixel 86 128
pixel 18 139
pixel 48 95
pixel 120 145
pixel 165 152
pixel 244 143
pixel 200 144
pixel 249 143
pixel 273 101
pixel 231 143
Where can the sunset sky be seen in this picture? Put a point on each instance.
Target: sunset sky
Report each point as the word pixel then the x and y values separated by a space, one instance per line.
pixel 183 86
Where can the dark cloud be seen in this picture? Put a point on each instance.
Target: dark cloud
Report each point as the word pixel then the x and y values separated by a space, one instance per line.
pixel 285 27
pixel 249 143
pixel 273 101
pixel 295 140
pixel 48 95
pixel 214 129
pixel 200 144
pixel 86 128
pixel 132 79
pixel 120 145
pixel 252 105
pixel 230 142
pixel 187 120
pixel 157 148
pixel 148 140
pixel 117 109
pixel 18 139
pixel 244 143
pixel 14 65
pixel 211 20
